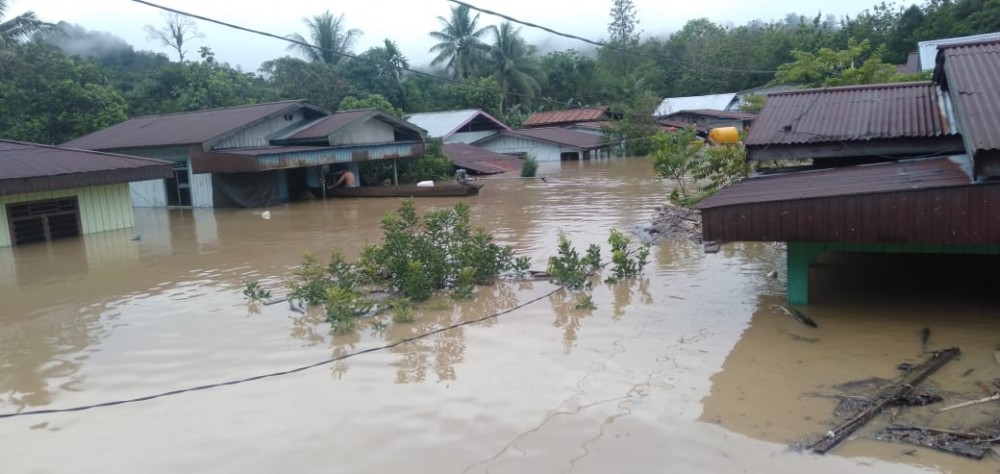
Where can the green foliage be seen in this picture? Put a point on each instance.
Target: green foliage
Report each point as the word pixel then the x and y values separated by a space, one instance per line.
pixel 317 82
pixel 568 268
pixel 465 284
pixel 857 64
pixel 624 265
pixel 593 258
pixel 460 47
pixel 753 104
pixel 329 39
pixel 434 165
pixel 253 290
pixel 402 311
pixel 513 63
pixel 585 301
pixel 529 167
pixel 697 170
pixel 343 307
pixel 371 101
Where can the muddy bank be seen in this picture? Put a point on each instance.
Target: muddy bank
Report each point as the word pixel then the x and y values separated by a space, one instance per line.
pixel 673 223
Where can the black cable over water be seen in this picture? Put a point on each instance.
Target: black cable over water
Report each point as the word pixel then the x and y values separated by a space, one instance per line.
pixel 275 374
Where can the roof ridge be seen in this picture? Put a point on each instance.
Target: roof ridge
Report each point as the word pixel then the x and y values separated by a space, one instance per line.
pixel 885 85
pixel 189 112
pixel 29 145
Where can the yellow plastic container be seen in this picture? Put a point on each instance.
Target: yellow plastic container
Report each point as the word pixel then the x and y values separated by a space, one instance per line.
pixel 724 135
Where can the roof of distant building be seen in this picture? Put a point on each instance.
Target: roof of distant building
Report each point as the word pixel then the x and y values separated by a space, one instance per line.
pixel 672 105
pixel 561 117
pixel 557 136
pixel 479 160
pixel 928 50
pixel 971 75
pixel 447 123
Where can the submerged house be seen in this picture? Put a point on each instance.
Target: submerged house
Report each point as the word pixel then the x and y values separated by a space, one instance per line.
pixel 458 126
pixel 571 118
pixel 49 192
pixel 547 144
pixel 255 155
pixel 896 168
pixel 480 161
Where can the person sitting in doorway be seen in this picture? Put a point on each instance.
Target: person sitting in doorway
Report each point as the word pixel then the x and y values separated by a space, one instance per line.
pixel 346 178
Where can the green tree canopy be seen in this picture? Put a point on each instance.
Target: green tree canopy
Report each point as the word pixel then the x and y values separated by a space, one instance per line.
pixel 329 39
pixel 460 46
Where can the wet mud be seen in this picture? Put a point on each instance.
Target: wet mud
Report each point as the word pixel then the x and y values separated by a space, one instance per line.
pixel 692 368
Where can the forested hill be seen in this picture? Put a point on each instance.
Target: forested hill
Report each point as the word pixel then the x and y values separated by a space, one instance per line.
pixel 59 82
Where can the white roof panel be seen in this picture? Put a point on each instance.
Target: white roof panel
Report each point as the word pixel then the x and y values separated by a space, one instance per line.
pixel 928 49
pixel 441 124
pixel 698 102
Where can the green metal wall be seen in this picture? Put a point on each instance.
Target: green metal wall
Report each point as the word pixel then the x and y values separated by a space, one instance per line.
pixel 102 208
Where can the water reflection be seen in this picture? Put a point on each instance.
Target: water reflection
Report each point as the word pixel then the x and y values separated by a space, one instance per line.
pixel 568 316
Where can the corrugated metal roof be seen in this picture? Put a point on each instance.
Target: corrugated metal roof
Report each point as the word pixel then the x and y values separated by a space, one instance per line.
pixel 542 119
pixel 479 160
pixel 29 167
pixel 973 82
pixel 844 181
pixel 929 49
pixel 672 105
pixel 445 124
pixel 855 113
pixel 722 114
pixel 556 136
pixel 180 129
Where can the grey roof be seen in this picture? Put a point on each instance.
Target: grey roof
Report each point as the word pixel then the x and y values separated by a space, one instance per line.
pixel 700 102
pixel 556 136
pixel 187 128
pixel 445 124
pixel 30 167
pixel 971 75
pixel 854 113
pixel 929 49
pixel 479 160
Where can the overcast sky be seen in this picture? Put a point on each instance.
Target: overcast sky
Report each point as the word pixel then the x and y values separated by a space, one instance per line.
pixel 406 21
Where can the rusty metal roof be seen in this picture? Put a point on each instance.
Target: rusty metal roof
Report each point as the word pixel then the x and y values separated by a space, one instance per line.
pixel 29 167
pixel 185 128
pixel 844 181
pixel 855 113
pixel 544 119
pixel 557 136
pixel 972 78
pixel 479 160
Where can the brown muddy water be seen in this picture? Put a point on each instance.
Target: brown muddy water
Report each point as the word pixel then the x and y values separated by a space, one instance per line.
pixel 692 369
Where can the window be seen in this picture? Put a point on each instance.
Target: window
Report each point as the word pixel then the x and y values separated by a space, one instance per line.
pixel 39 221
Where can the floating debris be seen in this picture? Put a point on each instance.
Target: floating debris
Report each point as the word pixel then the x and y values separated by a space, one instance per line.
pixel 970 445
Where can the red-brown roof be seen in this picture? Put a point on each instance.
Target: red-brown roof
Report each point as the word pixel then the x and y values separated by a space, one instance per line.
pixel 844 181
pixel 558 136
pixel 479 160
pixel 542 119
pixel 855 113
pixel 29 167
pixel 186 128
pixel 972 78
pixel 330 124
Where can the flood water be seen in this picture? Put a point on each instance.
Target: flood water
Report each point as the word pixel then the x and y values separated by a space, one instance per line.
pixel 691 369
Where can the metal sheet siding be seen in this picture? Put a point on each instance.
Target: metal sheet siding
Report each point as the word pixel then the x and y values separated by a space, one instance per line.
pixel 201 190
pixel 542 152
pixel 102 208
pixel 259 134
pixel 151 193
pixel 371 131
pixel 470 137
pixel 963 215
pixel 973 75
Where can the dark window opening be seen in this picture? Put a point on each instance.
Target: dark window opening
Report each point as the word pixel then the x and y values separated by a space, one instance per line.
pixel 40 221
pixel 179 187
pixel 570 156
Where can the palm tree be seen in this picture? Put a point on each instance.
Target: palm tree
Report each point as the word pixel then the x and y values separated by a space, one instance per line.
pixel 390 59
pixel 330 40
pixel 513 63
pixel 19 28
pixel 460 45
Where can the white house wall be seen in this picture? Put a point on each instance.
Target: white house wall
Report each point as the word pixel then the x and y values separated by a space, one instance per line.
pixel 151 193
pixel 469 137
pixel 510 145
pixel 201 189
pixel 258 135
pixel 371 131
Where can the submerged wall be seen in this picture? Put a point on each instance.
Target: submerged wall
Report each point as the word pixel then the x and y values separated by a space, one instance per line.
pixel 102 208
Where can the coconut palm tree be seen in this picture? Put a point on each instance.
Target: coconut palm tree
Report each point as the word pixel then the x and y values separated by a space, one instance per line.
pixel 514 65
pixel 19 28
pixel 329 39
pixel 460 44
pixel 391 60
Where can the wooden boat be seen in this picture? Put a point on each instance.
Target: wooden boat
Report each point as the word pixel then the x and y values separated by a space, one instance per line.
pixel 408 190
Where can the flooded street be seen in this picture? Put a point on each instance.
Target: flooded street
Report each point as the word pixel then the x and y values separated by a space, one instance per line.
pixel 692 369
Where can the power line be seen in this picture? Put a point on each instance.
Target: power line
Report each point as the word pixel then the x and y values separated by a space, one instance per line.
pixel 609 46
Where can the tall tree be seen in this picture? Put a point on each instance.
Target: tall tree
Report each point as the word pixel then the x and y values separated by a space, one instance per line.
pixel 17 29
pixel 624 24
pixel 329 39
pixel 514 65
pixel 460 42
pixel 178 31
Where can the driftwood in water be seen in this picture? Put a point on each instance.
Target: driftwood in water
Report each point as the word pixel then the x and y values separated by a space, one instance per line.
pixel 884 399
pixel 799 316
pixel 970 445
pixel 992 398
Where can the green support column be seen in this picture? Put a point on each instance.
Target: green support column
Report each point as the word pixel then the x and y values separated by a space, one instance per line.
pixel 800 256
